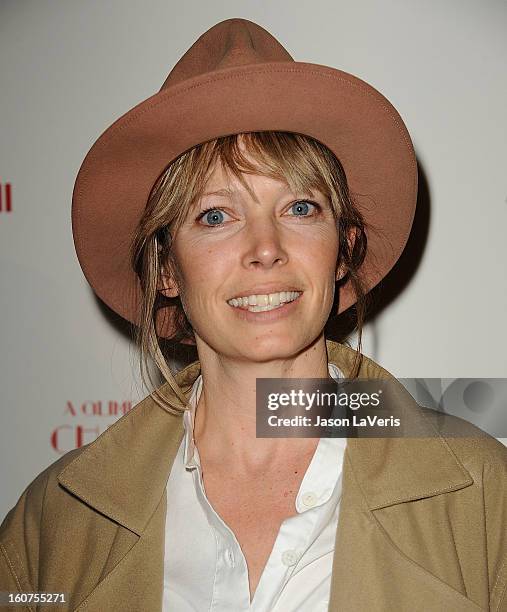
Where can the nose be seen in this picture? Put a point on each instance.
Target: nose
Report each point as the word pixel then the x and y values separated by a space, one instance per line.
pixel 264 245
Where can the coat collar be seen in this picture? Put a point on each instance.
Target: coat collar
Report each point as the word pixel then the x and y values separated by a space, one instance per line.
pixel 124 472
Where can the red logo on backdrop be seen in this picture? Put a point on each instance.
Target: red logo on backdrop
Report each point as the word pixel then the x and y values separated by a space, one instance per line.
pixel 5 197
pixel 80 430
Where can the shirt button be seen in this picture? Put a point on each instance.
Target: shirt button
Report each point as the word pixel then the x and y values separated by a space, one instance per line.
pixel 309 499
pixel 289 557
pixel 230 557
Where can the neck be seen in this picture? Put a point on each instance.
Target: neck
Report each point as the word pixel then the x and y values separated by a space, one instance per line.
pixel 225 418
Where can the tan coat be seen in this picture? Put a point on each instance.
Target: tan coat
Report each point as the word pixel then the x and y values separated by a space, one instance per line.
pixel 422 527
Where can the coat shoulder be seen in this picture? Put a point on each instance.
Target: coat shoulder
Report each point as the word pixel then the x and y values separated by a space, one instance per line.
pixel 474 448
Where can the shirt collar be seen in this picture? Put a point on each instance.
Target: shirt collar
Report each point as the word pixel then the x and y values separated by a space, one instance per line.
pixel 191 459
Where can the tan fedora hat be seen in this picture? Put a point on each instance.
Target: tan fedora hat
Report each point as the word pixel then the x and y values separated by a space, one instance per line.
pixel 238 78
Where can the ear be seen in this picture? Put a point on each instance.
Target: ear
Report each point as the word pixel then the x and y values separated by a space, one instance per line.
pixel 351 238
pixel 340 272
pixel 167 284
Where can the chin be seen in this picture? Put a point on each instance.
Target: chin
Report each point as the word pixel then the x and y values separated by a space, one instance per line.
pixel 268 347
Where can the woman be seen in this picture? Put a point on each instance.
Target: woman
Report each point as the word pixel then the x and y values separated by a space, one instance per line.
pixel 292 204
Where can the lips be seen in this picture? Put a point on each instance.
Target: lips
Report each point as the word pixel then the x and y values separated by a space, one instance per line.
pixel 269 313
pixel 258 303
pixel 265 289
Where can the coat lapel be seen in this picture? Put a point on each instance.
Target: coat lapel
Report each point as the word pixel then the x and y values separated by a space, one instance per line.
pixel 123 476
pixel 369 571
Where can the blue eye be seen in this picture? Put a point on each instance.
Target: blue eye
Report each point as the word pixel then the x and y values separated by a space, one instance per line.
pixel 214 216
pixel 302 206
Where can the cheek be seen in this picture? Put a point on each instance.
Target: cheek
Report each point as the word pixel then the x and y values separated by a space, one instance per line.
pixel 321 253
pixel 204 269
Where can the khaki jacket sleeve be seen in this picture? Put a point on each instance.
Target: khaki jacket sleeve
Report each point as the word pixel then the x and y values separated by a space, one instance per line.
pixel 19 542
pixel 10 581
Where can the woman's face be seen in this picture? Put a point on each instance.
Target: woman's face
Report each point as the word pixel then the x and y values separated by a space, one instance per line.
pixel 245 247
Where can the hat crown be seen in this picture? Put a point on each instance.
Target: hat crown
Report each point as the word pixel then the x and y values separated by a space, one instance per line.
pixel 230 43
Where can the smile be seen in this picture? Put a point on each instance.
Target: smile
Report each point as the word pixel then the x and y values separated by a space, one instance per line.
pixel 264 302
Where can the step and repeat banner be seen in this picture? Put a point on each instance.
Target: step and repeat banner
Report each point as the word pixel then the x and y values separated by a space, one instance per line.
pixel 69 69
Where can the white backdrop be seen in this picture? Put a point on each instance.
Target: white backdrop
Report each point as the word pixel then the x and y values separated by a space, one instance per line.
pixel 69 69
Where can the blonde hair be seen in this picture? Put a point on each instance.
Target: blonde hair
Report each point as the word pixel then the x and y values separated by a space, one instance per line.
pixel 301 161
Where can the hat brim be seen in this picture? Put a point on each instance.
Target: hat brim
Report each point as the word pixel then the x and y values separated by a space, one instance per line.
pixel 348 115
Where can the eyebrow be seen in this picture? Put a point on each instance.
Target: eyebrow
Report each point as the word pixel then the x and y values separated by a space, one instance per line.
pixel 224 192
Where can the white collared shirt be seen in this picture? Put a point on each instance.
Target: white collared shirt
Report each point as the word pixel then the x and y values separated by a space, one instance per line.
pixel 204 567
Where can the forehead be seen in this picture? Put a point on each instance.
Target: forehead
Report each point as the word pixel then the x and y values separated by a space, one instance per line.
pixel 226 184
pixel 222 182
pixel 252 181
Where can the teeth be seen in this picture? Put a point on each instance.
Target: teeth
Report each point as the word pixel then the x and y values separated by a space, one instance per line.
pixel 262 303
